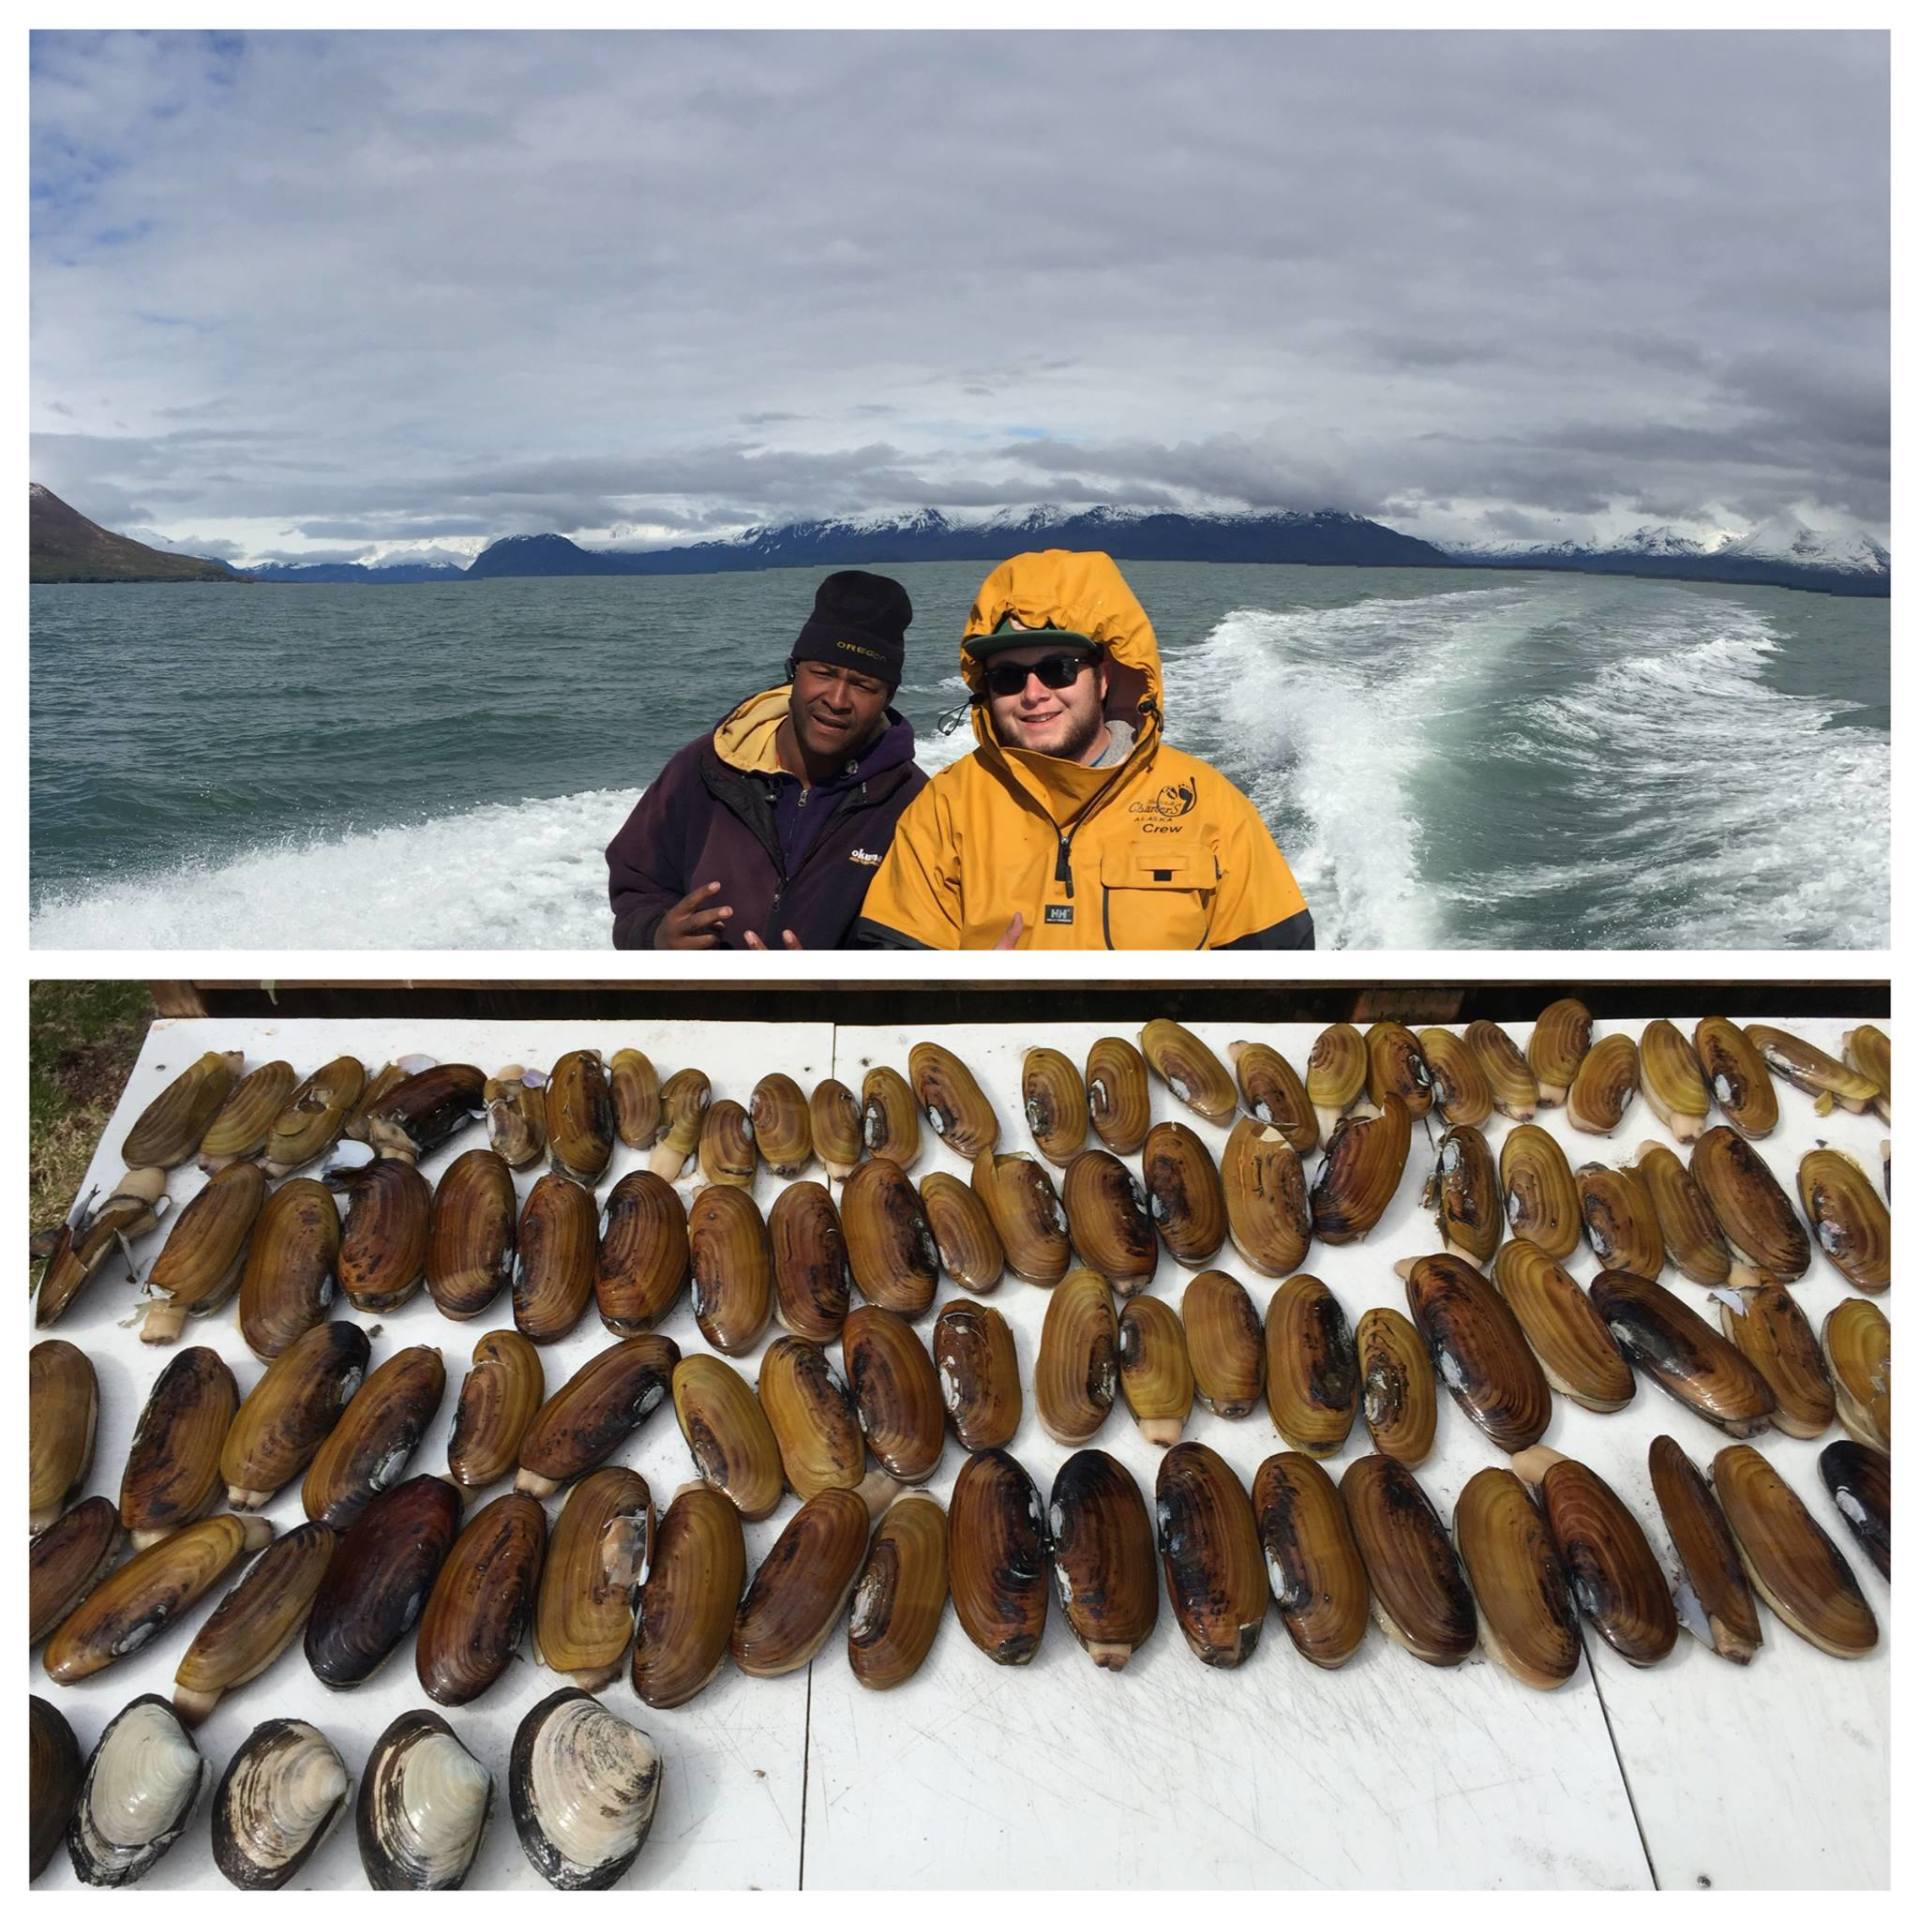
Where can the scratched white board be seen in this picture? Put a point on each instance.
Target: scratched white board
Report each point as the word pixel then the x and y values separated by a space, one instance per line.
pixel 1385 1772
pixel 729 1813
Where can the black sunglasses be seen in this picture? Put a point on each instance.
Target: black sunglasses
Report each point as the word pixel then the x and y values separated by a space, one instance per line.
pixel 1057 670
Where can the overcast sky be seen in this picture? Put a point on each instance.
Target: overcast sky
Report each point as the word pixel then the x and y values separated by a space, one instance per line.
pixel 317 295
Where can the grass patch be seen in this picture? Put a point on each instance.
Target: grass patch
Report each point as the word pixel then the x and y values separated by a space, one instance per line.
pixel 83 1038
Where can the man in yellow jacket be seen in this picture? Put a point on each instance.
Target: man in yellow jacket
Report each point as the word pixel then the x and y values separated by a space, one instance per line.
pixel 1073 823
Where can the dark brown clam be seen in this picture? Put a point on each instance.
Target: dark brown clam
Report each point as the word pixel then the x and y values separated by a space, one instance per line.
pixel 890 1245
pixel 481 1603
pixel 255 1622
pixel 1858 1345
pixel 889 1117
pixel 641 1265
pixel 979 1373
pixel 732 1260
pixel 1155 1373
pixel 812 1281
pixel 95 1234
pixel 470 1234
pixel 53 1781
pixel 1714 1601
pixel 1752 1207
pixel 598 1554
pixel 595 1411
pixel 556 1258
pixel 1398 1394
pixel 1681 1354
pixel 383 1245
pixel 375 1437
pixel 425 1110
pixel 1615 1578
pixel 1109 1220
pixel 1849 1219
pixel 1478 1349
pixel 684 1097
pixel 1366 1155
pixel 67 1560
pixel 1191 1069
pixel 1055 1101
pixel 291 1409
pixel 1766 1324
pixel 1184 1195
pixel 951 1099
pixel 379 1578
pixel 1314 1567
pixel 206 1250
pixel 1462 1094
pixel 1604 1087
pixel 1020 1200
pixel 1210 1550
pixel 895 1391
pixel 580 1116
pixel 963 1230
pixel 1742 1087
pixel 688 1603
pixel 900 1594
pixel 1860 1480
pixel 1670 1078
pixel 1564 1329
pixel 504 1387
pixel 1790 1558
pixel 1313 1371
pixel 634 1083
pixel 1543 1204
pixel 239 1130
pixel 997 1557
pixel 1420 1595
pixel 516 1100
pixel 1103 1551
pixel 727 1433
pixel 288 1281
pixel 726 1153
pixel 63 1413
pixel 169 1131
pixel 173 1467
pixel 1689 1229
pixel 1265 1186
pixel 1509 1079
pixel 1274 1094
pixel 1527 1619
pixel 839 1127
pixel 782 1128
pixel 1076 1369
pixel 1226 1348
pixel 1117 1094
pixel 1621 1225
pixel 812 1417
pixel 799 1591
pixel 1397 1065
pixel 1464 1190
pixel 1556 1047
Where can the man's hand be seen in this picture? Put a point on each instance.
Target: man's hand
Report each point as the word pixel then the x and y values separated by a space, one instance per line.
pixel 689 924
pixel 1011 938
pixel 789 939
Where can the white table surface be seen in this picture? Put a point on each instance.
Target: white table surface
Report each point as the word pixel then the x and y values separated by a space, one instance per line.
pixel 1383 1773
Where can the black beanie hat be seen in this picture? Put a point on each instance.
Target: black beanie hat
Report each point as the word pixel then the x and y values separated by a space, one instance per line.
pixel 859 621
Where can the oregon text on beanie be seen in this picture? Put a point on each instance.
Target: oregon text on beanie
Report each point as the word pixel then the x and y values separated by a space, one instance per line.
pixel 859 621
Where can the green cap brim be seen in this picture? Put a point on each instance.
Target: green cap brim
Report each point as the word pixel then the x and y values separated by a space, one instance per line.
pixel 983 646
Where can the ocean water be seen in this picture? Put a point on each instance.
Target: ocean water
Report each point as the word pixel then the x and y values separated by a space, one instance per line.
pixel 1472 759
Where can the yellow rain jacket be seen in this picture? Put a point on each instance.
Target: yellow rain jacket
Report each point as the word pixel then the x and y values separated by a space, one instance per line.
pixel 1160 851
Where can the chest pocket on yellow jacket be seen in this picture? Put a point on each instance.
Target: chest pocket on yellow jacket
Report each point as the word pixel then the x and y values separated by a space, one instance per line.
pixel 1157 896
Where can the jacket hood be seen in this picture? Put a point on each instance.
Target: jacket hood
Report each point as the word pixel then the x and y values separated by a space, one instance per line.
pixel 745 739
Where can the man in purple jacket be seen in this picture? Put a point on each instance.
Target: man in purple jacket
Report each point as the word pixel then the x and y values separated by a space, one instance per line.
pixel 766 831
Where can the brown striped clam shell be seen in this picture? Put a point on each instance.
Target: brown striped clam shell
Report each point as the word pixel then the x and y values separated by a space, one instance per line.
pixel 580 1116
pixel 812 1280
pixel 690 1597
pixel 1858 1344
pixel 1510 1080
pixel 641 1265
pixel 1478 1349
pixel 1681 1354
pixel 314 1116
pixel 951 1099
pixel 67 1560
pixel 1689 1228
pixel 375 1437
pixel 1184 1194
pixel 1420 1595
pixel 1754 1212
pixel 255 1622
pixel 383 1245
pixel 1118 1101
pixel 890 1245
pixel 1268 1216
pixel 1108 1218
pixel 1556 1047
pixel 1155 1373
pixel 1314 1568
pixel 979 1373
pixel 889 1117
pixel 1020 1200
pixel 1622 1226
pixel 379 1578
pixel 471 1233
pixel 726 1154
pixel 1832 1082
pixel 1103 1557
pixel 172 1473
pixel 1210 1551
pixel 63 1413
pixel 1397 1065
pixel 800 1590
pixel 1191 1070
pixel 290 1410
pixel 812 1418
pixel 1737 1076
pixel 839 1127
pixel 482 1600
pixel 1527 1619
pixel 1766 1324
pixel 901 1593
pixel 1399 1396
pixel 1604 1086
pixel 1850 1220
pixel 199 1268
pixel 731 1255
pixel 170 1128
pixel 1312 1367
pixel 1714 1601
pixel 684 1098
pixel 1868 1051
pixel 1054 1099
pixel 516 1100
pixel 1366 1155
pixel 1543 1204
pixel 1336 1074
pixel 504 1387
pixel 1077 1368
pixel 782 1126
pixel 605 1401
pixel 1860 1480
pixel 895 1392
pixel 597 1555
pixel 287 1284
pixel 1462 1094
pixel 1274 1094
pixel 963 1231
pixel 96 1234
pixel 997 1557
pixel 1671 1079
pixel 727 1433
pixel 556 1258
pixel 1464 1191
pixel 1564 1329
pixel 634 1084
pixel 1226 1346
pixel 425 1110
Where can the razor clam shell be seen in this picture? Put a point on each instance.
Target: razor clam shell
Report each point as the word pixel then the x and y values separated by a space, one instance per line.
pixel 1703 1543
pixel 951 1099
pixel 889 1241
pixel 556 1258
pixel 1399 1396
pixel 1869 1052
pixel 583 1784
pixel 291 1409
pixel 604 1401
pixel 1336 1074
pixel 1274 1094
pixel 1396 1065
pixel 895 1392
pixel 979 1373
pixel 1312 1367
pixel 383 1246
pixel 169 1130
pixel 314 1116
pixel 1527 1619
pixel 67 1560
pixel 1420 1594
pixel 1118 1100
pixel 173 1466
pixel 684 1097
pixel 731 1257
pixel 1076 1369
pixel 1103 1557
pixel 1543 1204
pixel 1850 1220
pixel 580 1116
pixel 471 1234
pixel 781 1128
pixel 642 1263
pixel 63 1412
pixel 1738 1077
pixel 255 1622
pixel 889 1117
pixel 199 1268
pixel 839 1127
pixel 276 1803
pixel 1226 1346
pixel 53 1781
pixel 812 1417
pixel 963 1231
pixel 423 1111
pixel 94 1235
pixel 799 1591
pixel 1155 1374
pixel 1191 1070
pixel 1109 1221
pixel 1681 1354
pixel 1265 1188
pixel 1604 1086
pixel 1054 1099
pixel 688 1603
pixel 1766 1324
pixel 1814 1071
pixel 1790 1558
pixel 1860 1479
pixel 1753 1210
pixel 1313 1562
pixel 502 1392
pixel 1464 1190
pixel 1556 1047
pixel 1184 1194
pixel 1479 1350
pixel 378 1579
pixel 1365 1157
pixel 634 1086
pixel 726 1153
pixel 812 1280
pixel 288 1282
pixel 601 1548
pixel 1621 1225
pixel 1210 1551
pixel 1026 1213
pixel 1858 1344
pixel 727 1433
pixel 375 1436
pixel 901 1593
pixel 1462 1093
pixel 423 1807
pixel 997 1557
pixel 1564 1329
pixel 143 1779
pixel 239 1130
pixel 1510 1080
pixel 516 1116
pixel 1671 1079
pixel 482 1600
pixel 1689 1228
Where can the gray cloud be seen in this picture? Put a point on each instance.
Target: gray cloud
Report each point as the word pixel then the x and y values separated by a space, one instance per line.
pixel 630 287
